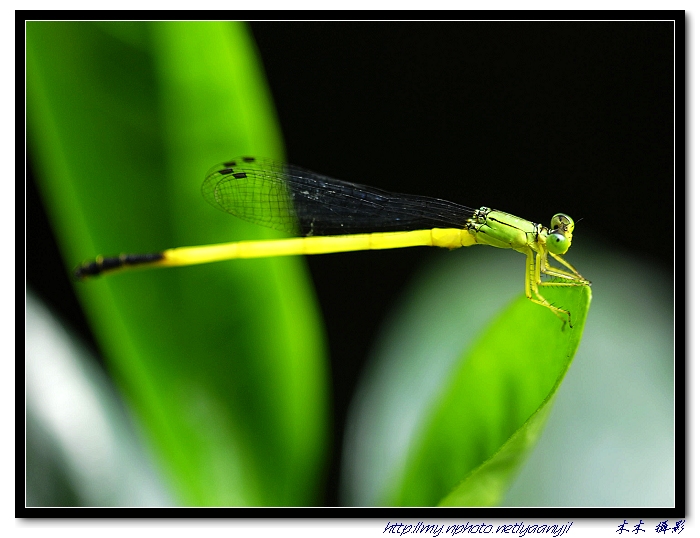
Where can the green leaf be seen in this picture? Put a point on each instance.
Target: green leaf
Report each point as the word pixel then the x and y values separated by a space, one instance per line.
pixel 621 383
pixel 223 365
pixel 459 385
pixel 493 409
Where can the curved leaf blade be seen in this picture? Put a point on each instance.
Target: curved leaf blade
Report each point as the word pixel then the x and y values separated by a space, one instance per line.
pixel 223 365
pixel 486 421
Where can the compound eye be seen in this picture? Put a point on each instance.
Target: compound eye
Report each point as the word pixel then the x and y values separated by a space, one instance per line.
pixel 563 222
pixel 557 243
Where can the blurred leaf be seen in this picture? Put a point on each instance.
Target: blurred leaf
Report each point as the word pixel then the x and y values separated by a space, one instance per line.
pixel 222 364
pixel 81 448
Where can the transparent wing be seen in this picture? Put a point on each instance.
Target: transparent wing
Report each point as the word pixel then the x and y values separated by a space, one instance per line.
pixel 300 202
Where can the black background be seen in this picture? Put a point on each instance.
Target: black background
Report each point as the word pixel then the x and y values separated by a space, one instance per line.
pixel 529 117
